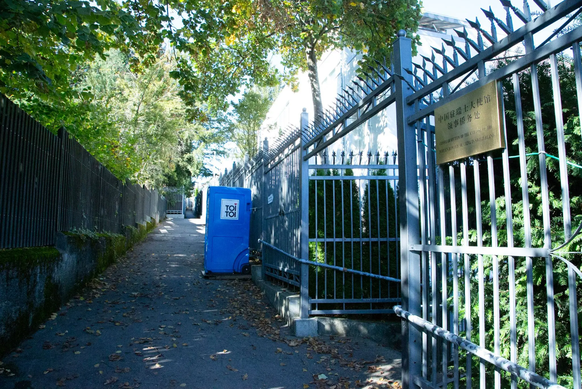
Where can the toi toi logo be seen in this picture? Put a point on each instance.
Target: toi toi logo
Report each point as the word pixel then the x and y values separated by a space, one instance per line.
pixel 229 209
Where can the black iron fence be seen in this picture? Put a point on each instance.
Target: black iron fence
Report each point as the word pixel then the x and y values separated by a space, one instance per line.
pixel 51 183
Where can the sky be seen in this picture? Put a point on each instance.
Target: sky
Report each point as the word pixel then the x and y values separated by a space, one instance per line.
pixel 467 9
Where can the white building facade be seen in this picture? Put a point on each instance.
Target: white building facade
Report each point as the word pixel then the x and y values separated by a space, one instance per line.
pixel 336 70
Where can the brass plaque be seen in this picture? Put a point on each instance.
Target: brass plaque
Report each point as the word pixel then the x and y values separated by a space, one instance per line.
pixel 469 125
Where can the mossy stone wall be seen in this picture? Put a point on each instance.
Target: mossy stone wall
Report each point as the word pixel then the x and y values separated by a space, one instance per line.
pixel 35 282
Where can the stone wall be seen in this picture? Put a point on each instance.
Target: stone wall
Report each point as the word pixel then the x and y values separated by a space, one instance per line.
pixel 35 282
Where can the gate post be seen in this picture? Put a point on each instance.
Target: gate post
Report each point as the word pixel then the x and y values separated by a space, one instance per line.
pixel 408 209
pixel 304 326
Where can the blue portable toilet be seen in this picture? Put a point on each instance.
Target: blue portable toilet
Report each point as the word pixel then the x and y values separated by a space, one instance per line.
pixel 228 219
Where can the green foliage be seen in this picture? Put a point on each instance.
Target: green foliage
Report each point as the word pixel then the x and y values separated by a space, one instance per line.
pixel 307 29
pixel 43 43
pixel 248 115
pixel 57 63
pixel 537 278
pixel 136 122
pixel 226 49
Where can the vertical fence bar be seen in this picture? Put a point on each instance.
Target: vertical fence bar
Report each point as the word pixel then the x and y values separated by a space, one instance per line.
pixel 334 235
pixel 14 178
pixel 425 276
pixel 325 255
pixel 455 259
pixel 369 233
pixel 444 271
pixel 574 327
pixel 352 232
pixel 432 214
pixel 481 271
pixel 558 112
pixel 578 75
pixel 378 235
pixel 304 190
pixel 567 222
pixel 467 269
pixel 7 167
pixel 546 216
pixel 25 224
pixel 5 140
pixel 510 240
pixel 409 216
pixel 495 266
pixel 343 231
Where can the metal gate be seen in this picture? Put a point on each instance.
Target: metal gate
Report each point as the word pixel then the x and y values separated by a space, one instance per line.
pixel 353 234
pixel 490 259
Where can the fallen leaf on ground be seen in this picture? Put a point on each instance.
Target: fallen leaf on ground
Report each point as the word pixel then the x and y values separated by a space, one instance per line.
pixel 111 380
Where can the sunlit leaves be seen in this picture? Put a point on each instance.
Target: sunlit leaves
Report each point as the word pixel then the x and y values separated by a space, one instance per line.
pixel 248 115
pixel 307 29
pixel 41 42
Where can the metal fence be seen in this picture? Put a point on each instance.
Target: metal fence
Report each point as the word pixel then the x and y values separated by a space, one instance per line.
pixel 250 175
pixel 491 267
pixel 175 201
pixel 29 168
pixel 490 255
pixel 352 262
pixel 353 229
pixel 50 183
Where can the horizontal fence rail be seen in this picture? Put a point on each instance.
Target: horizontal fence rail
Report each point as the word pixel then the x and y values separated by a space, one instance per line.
pixel 51 183
pixel 484 354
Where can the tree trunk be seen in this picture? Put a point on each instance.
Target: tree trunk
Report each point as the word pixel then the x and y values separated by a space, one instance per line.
pixel 314 82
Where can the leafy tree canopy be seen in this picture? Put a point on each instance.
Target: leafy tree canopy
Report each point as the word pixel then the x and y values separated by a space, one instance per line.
pixel 247 117
pixel 43 42
pixel 53 62
pixel 136 123
pixel 307 29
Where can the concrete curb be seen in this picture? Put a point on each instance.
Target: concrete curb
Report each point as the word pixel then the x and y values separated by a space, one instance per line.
pixel 287 304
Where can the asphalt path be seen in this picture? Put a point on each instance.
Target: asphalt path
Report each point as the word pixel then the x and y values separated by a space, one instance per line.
pixel 152 321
